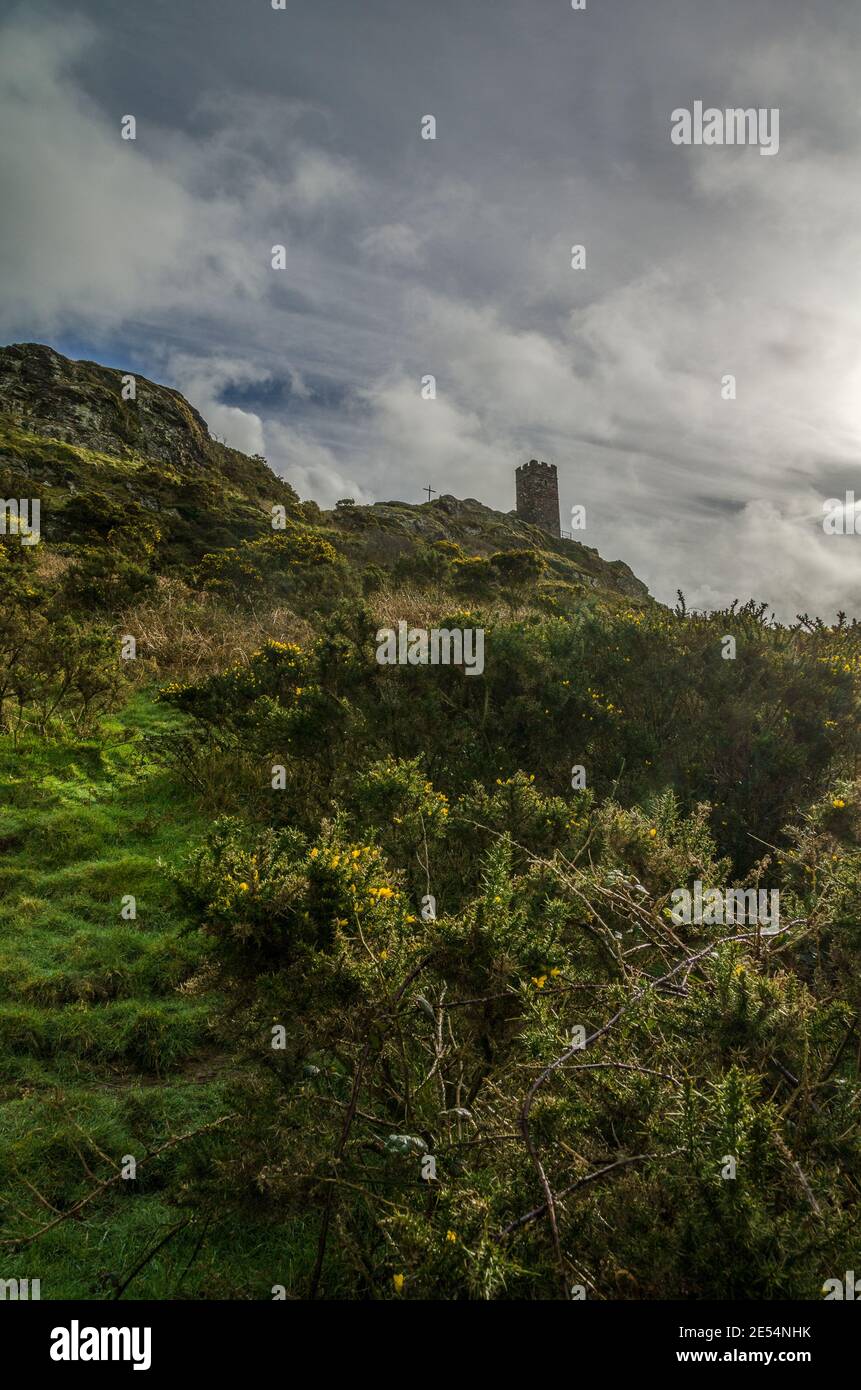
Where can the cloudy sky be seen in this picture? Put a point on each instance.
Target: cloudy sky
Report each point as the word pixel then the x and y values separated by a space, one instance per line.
pixel 452 257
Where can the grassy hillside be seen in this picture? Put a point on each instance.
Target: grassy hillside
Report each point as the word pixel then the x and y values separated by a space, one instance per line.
pixel 406 1008
pixel 104 1053
pixel 432 538
pixel 109 468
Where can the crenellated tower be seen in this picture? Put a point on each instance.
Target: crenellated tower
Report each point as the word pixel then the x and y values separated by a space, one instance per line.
pixel 538 495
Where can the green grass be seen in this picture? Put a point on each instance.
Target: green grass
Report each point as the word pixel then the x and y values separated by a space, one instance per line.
pixel 101 1053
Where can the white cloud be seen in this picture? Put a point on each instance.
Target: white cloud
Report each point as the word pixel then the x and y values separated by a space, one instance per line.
pixel 310 466
pixel 454 259
pixel 90 222
pixel 319 179
pixel 202 380
pixel 239 428
pixel 393 244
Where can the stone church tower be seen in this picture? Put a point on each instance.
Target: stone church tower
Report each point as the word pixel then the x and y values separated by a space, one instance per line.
pixel 538 495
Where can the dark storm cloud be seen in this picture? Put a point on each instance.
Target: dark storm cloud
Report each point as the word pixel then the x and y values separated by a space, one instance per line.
pixel 452 257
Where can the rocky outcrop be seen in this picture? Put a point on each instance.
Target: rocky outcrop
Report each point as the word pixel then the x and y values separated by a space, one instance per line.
pixel 66 432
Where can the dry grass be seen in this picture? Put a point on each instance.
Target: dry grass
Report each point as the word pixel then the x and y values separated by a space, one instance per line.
pixel 183 634
pixel 50 566
pixel 425 606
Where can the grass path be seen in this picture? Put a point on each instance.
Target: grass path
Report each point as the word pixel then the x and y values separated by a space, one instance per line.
pixel 100 1055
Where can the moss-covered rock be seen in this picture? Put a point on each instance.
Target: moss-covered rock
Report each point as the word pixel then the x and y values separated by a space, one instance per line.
pixel 66 433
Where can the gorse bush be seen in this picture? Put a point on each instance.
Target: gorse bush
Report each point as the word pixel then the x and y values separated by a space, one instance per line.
pixel 421 1084
pixel 417 931
pixel 644 700
pixel 53 666
pixel 286 563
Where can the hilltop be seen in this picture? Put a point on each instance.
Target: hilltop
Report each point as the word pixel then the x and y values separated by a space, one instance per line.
pixel 98 461
pixel 385 531
pixel 104 466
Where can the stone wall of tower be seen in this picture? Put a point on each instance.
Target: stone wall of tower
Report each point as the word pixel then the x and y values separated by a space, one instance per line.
pixel 538 495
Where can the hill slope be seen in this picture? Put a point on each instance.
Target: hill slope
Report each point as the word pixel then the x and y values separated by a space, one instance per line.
pixel 387 531
pixel 102 465
pixel 67 435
